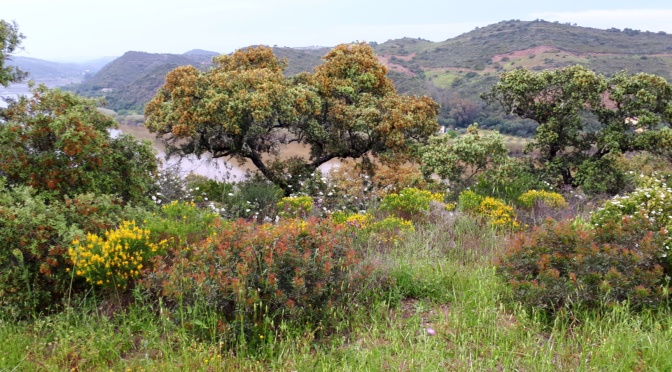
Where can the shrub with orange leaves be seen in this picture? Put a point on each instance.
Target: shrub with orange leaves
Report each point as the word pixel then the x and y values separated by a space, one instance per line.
pixel 569 265
pixel 294 271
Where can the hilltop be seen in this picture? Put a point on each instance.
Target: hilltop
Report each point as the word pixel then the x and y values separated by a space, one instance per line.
pixel 454 71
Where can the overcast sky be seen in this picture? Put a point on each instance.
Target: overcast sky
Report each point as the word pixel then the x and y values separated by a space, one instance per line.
pixel 76 30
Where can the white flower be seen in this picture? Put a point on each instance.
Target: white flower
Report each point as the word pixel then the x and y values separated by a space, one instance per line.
pixel 230 194
pixel 247 210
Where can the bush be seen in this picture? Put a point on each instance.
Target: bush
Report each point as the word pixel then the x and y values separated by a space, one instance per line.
pixel 538 205
pixel 261 276
pixel 117 258
pixel 410 203
pixel 35 232
pixel 570 265
pixel 533 198
pixel 494 211
pixel 180 224
pixel 295 207
pixel 648 208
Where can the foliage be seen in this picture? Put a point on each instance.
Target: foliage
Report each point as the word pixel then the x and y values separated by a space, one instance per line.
pixel 566 265
pixel 114 261
pixel 59 143
pixel 497 213
pixel 603 176
pixel 462 161
pixel 295 207
pixel 245 108
pixel 510 180
pixel 533 197
pixel 622 109
pixel 260 277
pixel 180 224
pixel 410 203
pixel 10 40
pixel 648 207
pixel 34 235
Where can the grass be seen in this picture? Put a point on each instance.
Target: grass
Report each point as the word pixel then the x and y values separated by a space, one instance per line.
pixel 446 282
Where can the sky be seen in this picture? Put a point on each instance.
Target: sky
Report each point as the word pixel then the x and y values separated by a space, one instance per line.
pixel 79 30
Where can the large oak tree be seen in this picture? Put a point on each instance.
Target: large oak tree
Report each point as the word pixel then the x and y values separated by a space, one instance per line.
pixel 585 119
pixel 245 108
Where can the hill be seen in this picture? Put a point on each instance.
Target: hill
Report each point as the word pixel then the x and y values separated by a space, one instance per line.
pixel 63 73
pixel 131 80
pixel 454 72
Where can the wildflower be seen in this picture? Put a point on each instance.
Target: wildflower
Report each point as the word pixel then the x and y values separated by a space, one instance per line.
pixel 431 331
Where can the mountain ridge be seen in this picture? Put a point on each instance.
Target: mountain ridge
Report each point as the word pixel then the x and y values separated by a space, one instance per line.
pixel 454 71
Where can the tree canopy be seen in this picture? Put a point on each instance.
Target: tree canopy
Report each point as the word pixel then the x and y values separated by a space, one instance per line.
pixel 59 143
pixel 245 108
pixel 10 40
pixel 586 119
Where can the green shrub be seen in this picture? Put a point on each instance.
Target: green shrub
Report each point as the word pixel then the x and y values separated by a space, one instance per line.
pixel 570 265
pixel 410 203
pixel 35 233
pixel 180 224
pixel 649 208
pixel 261 276
pixel 295 206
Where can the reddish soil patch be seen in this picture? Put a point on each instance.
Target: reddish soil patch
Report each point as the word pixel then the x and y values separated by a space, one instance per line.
pixel 385 60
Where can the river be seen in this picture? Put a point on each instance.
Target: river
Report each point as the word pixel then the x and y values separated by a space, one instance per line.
pixel 220 169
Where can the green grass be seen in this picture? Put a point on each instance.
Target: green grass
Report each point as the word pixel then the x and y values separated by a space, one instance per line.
pixel 445 281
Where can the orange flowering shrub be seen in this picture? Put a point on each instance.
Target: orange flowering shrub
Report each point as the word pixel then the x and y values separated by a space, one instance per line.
pixel 565 264
pixel 293 271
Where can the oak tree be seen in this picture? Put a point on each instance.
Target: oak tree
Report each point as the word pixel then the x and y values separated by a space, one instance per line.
pixel 585 119
pixel 245 108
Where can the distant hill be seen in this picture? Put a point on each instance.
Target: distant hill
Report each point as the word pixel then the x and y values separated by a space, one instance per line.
pixel 454 71
pixel 43 71
pixel 128 82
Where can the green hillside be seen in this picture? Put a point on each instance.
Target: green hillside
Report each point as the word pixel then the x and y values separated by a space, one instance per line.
pixel 129 81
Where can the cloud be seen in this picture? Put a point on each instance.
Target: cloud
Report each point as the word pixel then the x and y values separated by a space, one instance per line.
pixel 639 19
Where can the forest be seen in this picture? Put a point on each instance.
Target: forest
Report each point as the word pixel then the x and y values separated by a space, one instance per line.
pixel 421 251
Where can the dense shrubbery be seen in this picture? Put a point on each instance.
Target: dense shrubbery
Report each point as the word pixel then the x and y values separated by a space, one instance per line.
pixel 648 207
pixel 569 265
pixel 622 254
pixel 259 276
pixel 35 232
